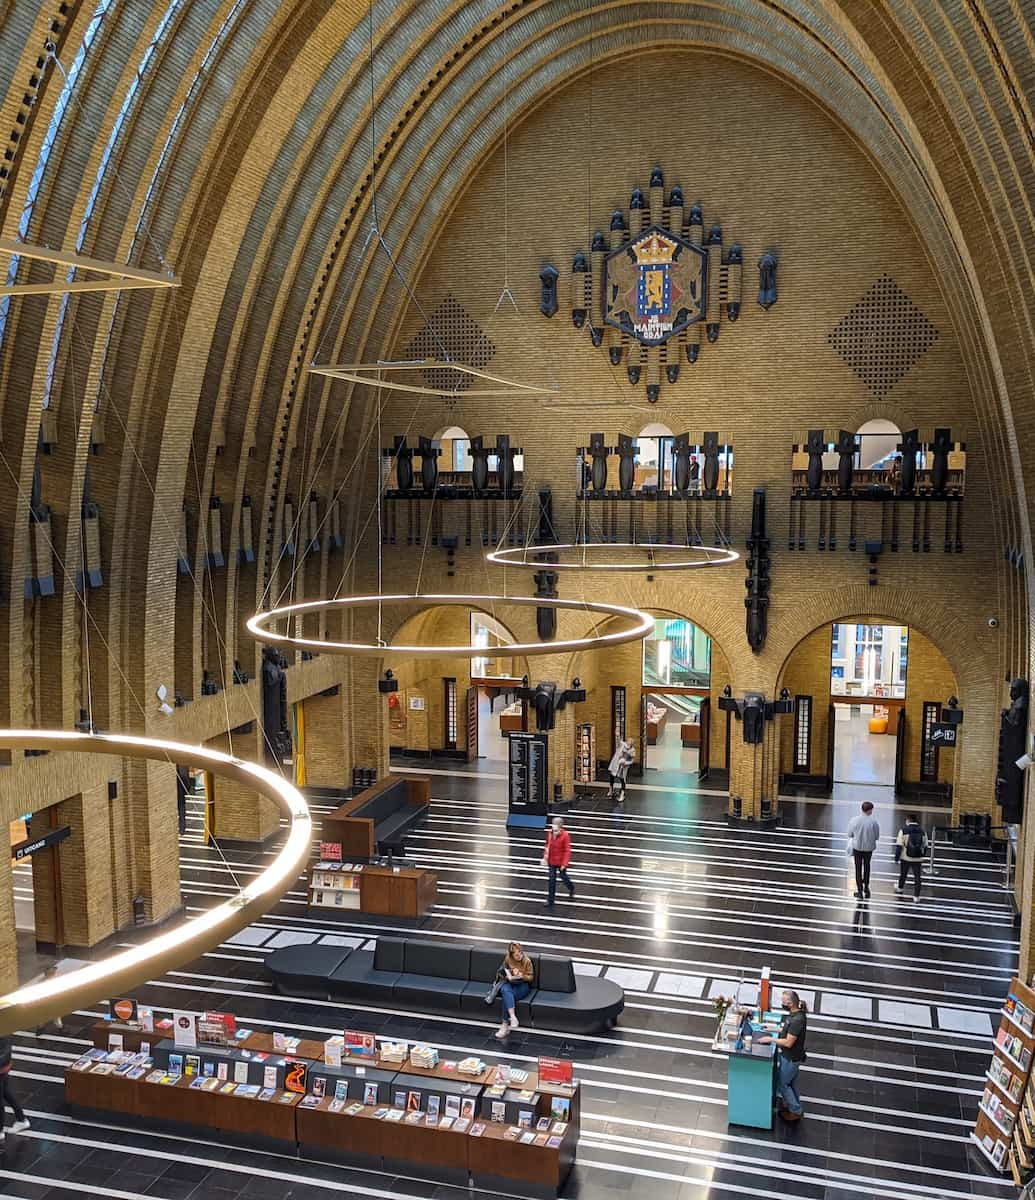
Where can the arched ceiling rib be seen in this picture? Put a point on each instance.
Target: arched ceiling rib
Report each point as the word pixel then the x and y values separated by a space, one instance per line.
pixel 898 75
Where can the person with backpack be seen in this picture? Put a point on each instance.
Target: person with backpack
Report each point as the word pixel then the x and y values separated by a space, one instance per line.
pixel 910 851
pixel 791 1043
pixel 7 1097
pixel 863 832
pixel 556 857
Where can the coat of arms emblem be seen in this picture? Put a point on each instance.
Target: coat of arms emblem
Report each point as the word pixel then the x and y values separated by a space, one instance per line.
pixel 648 287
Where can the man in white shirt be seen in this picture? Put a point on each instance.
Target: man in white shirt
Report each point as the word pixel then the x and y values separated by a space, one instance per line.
pixel 863 832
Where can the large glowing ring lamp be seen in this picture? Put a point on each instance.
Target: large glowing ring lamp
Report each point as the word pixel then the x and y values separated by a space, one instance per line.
pixel 117 975
pixel 636 626
pixel 579 556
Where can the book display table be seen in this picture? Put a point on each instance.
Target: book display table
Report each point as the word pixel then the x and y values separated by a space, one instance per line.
pixel 494 1128
pixel 379 891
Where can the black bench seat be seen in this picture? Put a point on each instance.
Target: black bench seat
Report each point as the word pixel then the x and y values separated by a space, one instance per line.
pixel 421 974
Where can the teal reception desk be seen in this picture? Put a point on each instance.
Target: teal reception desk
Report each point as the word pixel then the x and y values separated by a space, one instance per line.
pixel 751 1076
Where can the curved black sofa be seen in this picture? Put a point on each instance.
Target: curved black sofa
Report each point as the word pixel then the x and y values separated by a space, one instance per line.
pixel 422 975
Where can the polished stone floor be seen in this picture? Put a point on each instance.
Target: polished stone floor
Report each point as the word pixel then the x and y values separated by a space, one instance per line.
pixel 674 905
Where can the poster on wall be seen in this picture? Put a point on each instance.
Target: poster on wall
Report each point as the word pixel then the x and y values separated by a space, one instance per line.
pixel 185 1029
pixel 528 802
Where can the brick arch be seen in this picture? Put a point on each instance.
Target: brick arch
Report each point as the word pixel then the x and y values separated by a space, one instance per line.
pixel 967 658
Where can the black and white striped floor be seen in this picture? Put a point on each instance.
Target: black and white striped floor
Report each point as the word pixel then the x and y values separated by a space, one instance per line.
pixel 676 907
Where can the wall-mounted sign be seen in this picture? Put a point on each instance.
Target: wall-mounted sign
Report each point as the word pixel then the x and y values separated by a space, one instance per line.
pixel 943 735
pixel 31 845
pixel 417 704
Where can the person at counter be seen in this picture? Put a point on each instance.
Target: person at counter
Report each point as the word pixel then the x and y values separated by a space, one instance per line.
pixel 791 1043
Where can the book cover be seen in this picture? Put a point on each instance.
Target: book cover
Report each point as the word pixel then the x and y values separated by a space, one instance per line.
pixel 399 1100
pixel 267 1093
pixel 341 1089
pixel 208 1068
pixel 560 1127
pixel 192 1065
pixel 309 1101
pixel 460 1125
pixel 525 1118
pixel 543 1123
pixel 554 1143
pixel 197 1081
pixel 478 1129
pixel 269 1077
pixel 381 1113
pixel 499 1111
pixel 175 1064
pixel 370 1094
pixel 467 1108
pixel 396 1114
pixel 452 1108
pixel 560 1108
pixel 512 1133
pixel 353 1109
pixel 248 1090
pixel 240 1072
pixel 288 1097
pixel 319 1086
pixel 414 1116
pixel 137 1073
pixel 210 1084
pixel 227 1088
pixel 434 1104
pixel 103 1069
pixel 446 1123
pixel 527 1138
pixel 413 1101
pixel 222 1070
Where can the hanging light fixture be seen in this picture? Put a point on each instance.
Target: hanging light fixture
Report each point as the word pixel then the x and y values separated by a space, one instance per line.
pixel 586 556
pixel 115 975
pixel 636 626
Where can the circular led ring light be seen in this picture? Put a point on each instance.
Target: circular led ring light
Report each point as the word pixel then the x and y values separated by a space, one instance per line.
pixel 116 975
pixel 639 625
pixel 718 556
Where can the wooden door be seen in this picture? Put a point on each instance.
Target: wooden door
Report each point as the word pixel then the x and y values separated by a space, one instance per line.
pixel 704 751
pixel 472 724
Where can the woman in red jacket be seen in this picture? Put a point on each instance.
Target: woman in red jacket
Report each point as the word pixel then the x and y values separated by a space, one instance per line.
pixel 556 858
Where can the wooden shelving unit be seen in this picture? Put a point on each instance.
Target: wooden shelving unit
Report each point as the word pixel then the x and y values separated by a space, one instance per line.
pixel 585 754
pixel 334 885
pixel 1005 1128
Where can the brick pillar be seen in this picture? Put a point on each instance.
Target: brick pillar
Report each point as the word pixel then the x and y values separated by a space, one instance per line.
pixel 326 754
pixel 239 812
pixel 366 718
pixel 150 787
pixel 8 936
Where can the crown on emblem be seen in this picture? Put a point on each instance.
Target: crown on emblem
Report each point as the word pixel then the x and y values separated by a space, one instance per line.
pixel 654 249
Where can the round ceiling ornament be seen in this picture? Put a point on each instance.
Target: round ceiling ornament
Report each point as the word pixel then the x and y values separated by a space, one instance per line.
pixel 118 974
pixel 614 556
pixel 636 626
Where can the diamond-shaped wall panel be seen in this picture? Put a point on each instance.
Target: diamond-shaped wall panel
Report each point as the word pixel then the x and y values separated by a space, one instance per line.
pixel 882 336
pixel 452 330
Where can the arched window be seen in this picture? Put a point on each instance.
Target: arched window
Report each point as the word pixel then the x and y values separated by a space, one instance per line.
pixel 654 457
pixel 878 442
pixel 456 449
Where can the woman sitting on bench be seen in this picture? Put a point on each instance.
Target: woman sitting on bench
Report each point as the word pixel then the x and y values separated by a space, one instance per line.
pixel 516 973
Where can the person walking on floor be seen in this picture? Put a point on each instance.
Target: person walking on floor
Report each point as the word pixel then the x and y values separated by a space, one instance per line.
pixel 556 858
pixel 518 972
pixel 618 768
pixel 863 832
pixel 791 1043
pixel 7 1097
pixel 911 848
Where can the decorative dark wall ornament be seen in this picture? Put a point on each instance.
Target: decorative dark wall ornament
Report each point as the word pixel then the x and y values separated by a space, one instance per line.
pixel 940 448
pixel 847 448
pixel 757 599
pixel 681 461
pixel 505 458
pixel 546 617
pixel 479 464
pixel 545 533
pixel 767 294
pixel 710 477
pixel 403 464
pixel 548 277
pixel 546 700
pixel 651 280
pixel 908 448
pixel 627 451
pixel 429 453
pixel 599 454
pixel 816 446
pixel 754 710
pixel 1013 734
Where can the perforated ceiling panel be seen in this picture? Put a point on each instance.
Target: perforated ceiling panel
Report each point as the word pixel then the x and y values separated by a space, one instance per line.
pixel 882 336
pixel 452 331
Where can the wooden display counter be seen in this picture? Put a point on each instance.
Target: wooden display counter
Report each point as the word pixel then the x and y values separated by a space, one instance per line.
pixel 511 722
pixel 690 733
pixel 382 891
pixel 502 1163
pixel 656 728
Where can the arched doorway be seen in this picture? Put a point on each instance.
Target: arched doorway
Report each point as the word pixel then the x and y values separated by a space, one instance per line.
pixel 866 692
pixel 450 706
